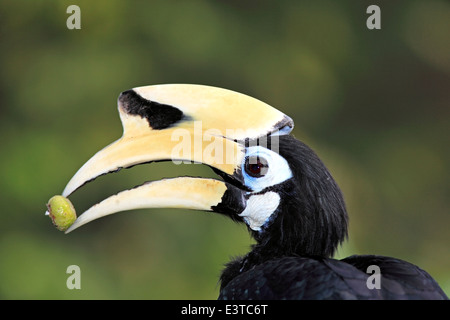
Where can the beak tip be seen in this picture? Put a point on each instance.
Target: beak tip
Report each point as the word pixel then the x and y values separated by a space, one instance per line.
pixel 68 230
pixel 74 226
pixel 68 190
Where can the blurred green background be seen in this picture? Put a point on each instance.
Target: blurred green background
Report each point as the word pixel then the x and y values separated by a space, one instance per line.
pixel 374 104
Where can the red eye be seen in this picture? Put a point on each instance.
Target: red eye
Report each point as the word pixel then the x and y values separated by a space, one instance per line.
pixel 256 166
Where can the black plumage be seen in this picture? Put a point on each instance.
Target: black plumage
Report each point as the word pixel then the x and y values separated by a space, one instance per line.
pixel 292 255
pixel 319 278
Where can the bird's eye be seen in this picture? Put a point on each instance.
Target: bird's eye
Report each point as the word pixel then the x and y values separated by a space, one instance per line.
pixel 256 166
pixel 262 168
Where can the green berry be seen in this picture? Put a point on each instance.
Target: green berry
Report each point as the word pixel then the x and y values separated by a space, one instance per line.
pixel 62 212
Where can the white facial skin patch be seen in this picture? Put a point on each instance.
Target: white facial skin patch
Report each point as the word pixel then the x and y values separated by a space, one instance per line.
pixel 259 209
pixel 278 169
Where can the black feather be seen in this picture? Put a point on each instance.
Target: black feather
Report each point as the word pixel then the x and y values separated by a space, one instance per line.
pixel 292 255
pixel 317 278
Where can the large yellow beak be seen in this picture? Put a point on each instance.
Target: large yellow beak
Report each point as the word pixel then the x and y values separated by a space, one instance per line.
pixel 179 122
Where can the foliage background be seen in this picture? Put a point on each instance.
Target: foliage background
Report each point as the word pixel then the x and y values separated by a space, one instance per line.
pixel 374 104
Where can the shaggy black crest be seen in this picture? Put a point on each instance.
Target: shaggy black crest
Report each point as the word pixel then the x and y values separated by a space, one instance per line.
pixel 292 255
pixel 311 219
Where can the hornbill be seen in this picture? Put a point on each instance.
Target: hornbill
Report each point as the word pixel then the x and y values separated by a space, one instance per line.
pixel 267 179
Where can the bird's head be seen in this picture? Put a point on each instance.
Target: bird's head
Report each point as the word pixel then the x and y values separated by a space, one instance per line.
pixel 270 181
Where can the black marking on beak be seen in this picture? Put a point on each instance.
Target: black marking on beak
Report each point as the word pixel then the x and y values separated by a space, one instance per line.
pixel 232 204
pixel 159 116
